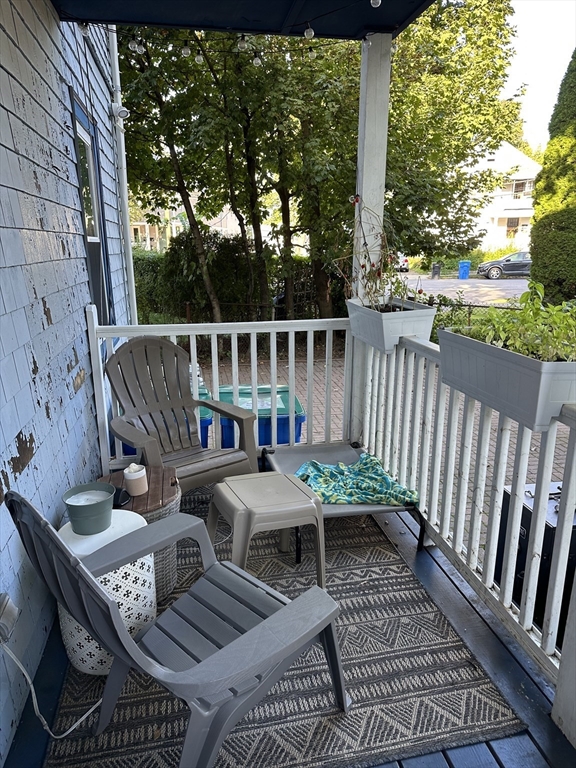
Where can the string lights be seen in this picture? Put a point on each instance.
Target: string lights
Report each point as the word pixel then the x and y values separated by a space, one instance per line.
pixel 375 3
pixel 243 45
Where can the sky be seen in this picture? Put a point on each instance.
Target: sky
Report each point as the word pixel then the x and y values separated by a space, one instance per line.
pixel 545 40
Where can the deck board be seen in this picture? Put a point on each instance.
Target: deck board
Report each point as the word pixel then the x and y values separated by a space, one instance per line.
pixel 477 755
pixel 434 760
pixel 519 751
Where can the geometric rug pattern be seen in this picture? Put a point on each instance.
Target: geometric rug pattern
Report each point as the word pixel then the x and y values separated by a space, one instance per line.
pixel 416 687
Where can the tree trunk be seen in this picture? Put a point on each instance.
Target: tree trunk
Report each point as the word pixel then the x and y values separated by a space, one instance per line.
pixel 243 233
pixel 197 235
pixel 287 262
pixel 256 221
pixel 321 277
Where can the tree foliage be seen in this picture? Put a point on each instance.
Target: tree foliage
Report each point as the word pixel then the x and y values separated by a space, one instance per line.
pixel 241 135
pixel 553 236
pixel 446 114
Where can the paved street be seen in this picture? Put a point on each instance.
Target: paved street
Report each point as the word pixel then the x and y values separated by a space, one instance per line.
pixel 475 290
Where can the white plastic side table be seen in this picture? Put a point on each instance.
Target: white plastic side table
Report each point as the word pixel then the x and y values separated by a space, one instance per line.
pixel 132 587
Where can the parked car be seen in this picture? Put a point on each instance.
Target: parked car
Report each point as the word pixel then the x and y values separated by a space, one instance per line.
pixel 515 264
pixel 401 264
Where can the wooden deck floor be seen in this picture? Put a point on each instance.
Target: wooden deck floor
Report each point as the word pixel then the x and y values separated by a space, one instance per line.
pixel 541 746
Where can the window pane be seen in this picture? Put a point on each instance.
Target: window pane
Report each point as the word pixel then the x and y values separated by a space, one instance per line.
pixel 86 186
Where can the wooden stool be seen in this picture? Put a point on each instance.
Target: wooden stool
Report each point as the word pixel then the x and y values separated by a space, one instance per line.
pixel 264 502
pixel 162 499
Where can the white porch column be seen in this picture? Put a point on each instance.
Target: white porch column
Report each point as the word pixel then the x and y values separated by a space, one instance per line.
pixel 370 187
pixel 372 142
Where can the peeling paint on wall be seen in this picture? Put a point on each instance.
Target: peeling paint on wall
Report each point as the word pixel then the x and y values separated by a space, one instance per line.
pixel 25 452
pixel 79 379
pixel 75 362
pixel 47 312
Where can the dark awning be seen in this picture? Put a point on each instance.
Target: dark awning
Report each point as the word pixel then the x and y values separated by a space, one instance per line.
pixel 346 19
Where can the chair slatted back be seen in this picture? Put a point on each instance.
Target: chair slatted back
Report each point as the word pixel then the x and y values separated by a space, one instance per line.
pixel 150 378
pixel 68 580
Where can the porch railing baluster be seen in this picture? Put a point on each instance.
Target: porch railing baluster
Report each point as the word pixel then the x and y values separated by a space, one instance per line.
pixel 291 385
pixel 437 450
pixel 426 436
pixel 215 387
pixel 561 549
pixel 405 423
pixel 274 387
pixel 389 409
pixel 496 497
pixel 328 388
pixel 538 525
pixel 479 488
pixel 449 464
pixel 463 473
pixel 514 514
pixel 417 418
pixel 380 406
pixel 397 409
pixel 310 387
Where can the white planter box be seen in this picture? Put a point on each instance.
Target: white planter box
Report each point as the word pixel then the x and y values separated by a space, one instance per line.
pixel 527 390
pixel 382 330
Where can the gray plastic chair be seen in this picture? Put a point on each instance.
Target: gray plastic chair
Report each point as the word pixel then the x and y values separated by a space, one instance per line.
pixel 220 647
pixel 151 380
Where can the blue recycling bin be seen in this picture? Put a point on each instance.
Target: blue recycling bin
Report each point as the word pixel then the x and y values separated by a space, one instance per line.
pixel 264 414
pixel 205 415
pixel 464 270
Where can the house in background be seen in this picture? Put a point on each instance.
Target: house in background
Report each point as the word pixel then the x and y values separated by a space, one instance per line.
pixel 507 218
pixel 155 237
pixel 61 248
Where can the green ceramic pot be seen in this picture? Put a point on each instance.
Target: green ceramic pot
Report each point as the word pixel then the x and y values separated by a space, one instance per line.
pixel 90 507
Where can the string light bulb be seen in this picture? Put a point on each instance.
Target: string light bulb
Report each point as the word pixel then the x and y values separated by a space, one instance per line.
pixel 199 58
pixel 186 50
pixel 242 44
pixel 375 3
pixel 133 45
pixel 140 48
pixel 309 32
pixel 366 42
pixel 312 53
pixel 257 61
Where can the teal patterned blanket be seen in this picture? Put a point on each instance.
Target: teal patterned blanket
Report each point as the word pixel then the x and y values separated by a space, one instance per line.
pixel 364 482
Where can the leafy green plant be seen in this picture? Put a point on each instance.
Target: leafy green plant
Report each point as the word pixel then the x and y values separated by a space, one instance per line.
pixel 543 331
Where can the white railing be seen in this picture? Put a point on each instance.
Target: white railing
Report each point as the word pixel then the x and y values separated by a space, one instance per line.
pixel 464 459
pixel 297 354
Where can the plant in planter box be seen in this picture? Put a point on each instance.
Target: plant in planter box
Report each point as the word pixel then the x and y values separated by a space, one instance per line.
pixel 521 362
pixel 384 308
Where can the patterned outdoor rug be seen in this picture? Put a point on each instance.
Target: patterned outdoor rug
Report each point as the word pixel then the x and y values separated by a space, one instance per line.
pixel 416 688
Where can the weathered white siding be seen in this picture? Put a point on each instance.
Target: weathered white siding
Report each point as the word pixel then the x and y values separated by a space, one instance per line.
pixel 48 438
